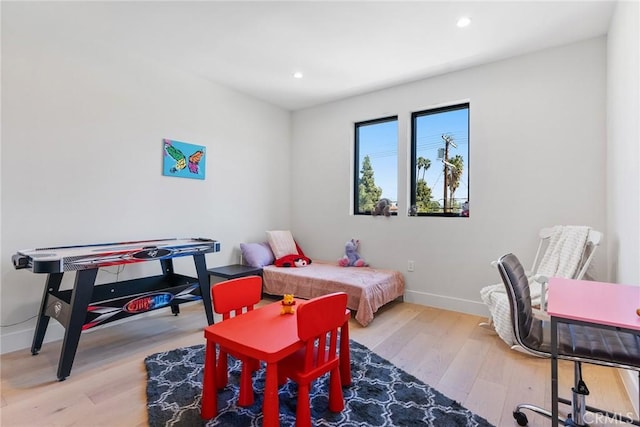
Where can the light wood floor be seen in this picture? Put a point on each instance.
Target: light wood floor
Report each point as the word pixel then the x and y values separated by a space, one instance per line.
pixel 443 348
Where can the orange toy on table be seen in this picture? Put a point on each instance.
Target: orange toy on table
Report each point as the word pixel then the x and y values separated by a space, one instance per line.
pixel 287 304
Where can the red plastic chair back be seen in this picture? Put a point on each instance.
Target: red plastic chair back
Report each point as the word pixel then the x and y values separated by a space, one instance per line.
pixel 233 298
pixel 318 322
pixel 236 296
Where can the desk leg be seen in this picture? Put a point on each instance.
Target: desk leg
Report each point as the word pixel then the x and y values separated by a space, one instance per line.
pixel 52 285
pixel 271 406
pixel 345 355
pixel 80 299
pixel 554 372
pixel 209 405
pixel 205 289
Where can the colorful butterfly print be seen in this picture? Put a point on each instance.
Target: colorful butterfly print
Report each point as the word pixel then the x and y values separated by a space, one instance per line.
pixel 177 155
pixel 194 159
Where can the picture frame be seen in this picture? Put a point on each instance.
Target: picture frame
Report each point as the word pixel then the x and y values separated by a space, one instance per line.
pixel 183 160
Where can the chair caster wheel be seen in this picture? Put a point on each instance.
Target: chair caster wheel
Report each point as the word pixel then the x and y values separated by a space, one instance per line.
pixel 520 418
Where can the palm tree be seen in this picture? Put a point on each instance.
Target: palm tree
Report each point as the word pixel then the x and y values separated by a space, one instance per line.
pixel 454 173
pixel 423 192
pixel 423 164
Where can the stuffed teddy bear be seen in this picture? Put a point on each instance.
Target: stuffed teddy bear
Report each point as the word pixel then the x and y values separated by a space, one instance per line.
pixel 383 207
pixel 287 304
pixel 351 257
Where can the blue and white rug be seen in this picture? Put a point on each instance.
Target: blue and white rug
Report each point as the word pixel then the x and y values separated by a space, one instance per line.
pixel 381 394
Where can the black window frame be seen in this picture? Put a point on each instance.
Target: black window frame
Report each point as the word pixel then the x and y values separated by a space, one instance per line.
pixel 413 191
pixel 356 161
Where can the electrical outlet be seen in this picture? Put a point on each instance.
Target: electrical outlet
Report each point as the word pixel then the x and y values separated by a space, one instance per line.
pixel 410 265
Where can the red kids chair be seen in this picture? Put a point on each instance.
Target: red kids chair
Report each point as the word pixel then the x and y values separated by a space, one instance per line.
pixel 318 322
pixel 234 297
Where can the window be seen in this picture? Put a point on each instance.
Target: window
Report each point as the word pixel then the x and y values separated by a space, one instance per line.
pixel 376 164
pixel 440 161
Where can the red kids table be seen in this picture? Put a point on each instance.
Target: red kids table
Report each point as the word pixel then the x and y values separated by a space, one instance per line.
pixel 267 335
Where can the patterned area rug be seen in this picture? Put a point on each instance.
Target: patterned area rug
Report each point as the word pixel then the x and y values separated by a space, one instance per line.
pixel 381 394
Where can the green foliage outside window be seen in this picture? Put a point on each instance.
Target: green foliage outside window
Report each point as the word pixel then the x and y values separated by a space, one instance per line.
pixel 439 155
pixel 368 192
pixel 376 164
pixel 439 163
pixel 423 191
pixel 453 178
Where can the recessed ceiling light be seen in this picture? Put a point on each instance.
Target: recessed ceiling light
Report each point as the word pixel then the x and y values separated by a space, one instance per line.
pixel 297 75
pixel 464 21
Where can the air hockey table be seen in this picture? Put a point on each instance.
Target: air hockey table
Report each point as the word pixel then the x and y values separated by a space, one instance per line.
pixel 87 305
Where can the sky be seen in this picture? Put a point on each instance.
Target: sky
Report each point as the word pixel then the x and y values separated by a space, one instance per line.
pixel 430 129
pixel 380 142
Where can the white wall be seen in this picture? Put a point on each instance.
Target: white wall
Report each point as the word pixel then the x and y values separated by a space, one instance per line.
pixel 82 131
pixel 537 158
pixel 81 152
pixel 623 155
pixel 623 142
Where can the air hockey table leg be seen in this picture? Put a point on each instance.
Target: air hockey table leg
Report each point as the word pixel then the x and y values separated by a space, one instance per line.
pixel 52 285
pixel 175 309
pixel 80 299
pixel 205 287
pixel 167 270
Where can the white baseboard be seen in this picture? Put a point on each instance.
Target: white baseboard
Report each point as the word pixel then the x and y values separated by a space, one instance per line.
pixel 630 380
pixel 447 303
pixel 20 340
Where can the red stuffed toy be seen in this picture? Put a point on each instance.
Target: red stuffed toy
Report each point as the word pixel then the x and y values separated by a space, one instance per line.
pixel 293 260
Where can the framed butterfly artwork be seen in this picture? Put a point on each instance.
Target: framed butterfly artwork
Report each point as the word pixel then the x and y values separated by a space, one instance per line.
pixel 183 160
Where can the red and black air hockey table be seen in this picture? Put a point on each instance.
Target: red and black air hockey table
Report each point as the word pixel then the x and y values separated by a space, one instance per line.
pixel 88 305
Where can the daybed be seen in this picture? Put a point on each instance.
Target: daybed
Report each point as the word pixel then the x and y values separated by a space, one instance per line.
pixel 367 288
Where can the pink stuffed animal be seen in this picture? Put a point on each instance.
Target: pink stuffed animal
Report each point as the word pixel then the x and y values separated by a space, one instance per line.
pixel 351 257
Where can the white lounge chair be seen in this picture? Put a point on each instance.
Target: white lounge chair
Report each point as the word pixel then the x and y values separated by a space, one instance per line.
pixel 563 251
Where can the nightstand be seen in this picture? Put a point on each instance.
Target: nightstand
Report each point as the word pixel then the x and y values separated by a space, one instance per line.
pixel 233 271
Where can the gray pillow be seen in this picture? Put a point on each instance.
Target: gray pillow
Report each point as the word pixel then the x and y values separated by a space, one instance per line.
pixel 257 254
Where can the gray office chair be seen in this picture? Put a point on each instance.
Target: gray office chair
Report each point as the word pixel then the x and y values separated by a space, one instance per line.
pixel 578 343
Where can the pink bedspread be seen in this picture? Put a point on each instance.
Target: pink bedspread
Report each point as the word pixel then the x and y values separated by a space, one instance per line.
pixel 367 288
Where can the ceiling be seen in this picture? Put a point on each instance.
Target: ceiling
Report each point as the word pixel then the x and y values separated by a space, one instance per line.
pixel 342 48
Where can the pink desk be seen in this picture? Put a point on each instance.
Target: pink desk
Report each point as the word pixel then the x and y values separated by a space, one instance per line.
pixel 262 334
pixel 605 305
